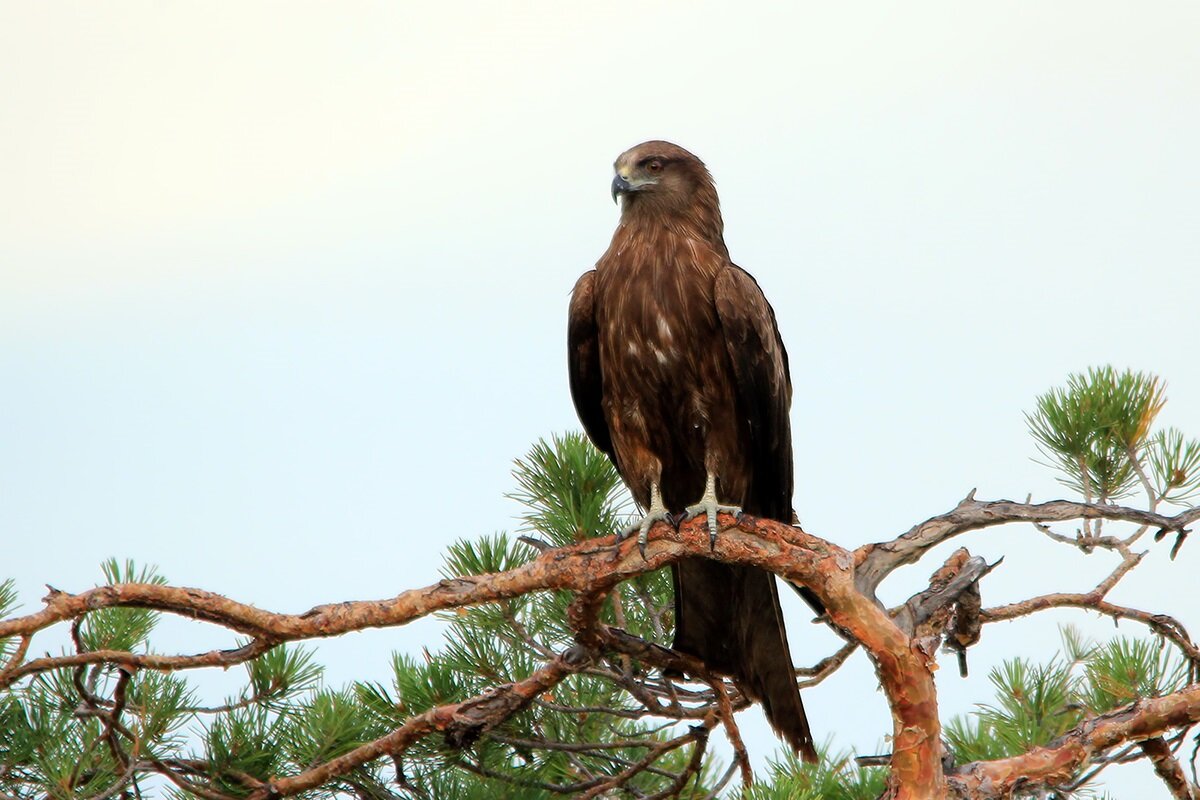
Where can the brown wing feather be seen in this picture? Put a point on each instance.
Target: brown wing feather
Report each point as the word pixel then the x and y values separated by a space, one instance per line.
pixel 765 387
pixel 757 652
pixel 764 390
pixel 583 363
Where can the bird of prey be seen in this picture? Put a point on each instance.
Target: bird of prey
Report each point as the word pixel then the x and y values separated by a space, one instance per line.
pixel 679 375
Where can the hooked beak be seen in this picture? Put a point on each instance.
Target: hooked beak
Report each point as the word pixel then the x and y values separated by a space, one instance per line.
pixel 620 186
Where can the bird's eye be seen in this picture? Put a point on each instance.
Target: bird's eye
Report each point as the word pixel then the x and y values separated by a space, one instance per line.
pixel 654 165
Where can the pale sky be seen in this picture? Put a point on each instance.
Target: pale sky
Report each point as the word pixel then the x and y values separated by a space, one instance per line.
pixel 281 283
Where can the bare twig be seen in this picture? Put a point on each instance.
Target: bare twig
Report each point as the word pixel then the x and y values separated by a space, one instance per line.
pixel 697 733
pixel 1162 624
pixel 733 733
pixel 826 666
pixel 570 747
pixel 692 768
pixel 518 780
pixel 726 776
pixel 876 561
pixel 213 658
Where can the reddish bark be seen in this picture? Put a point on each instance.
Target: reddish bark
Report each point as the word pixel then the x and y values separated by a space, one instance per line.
pixel 843 581
pixel 1057 763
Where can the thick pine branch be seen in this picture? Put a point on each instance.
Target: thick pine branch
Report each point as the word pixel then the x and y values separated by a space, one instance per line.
pixel 843 581
pixel 591 567
pixel 1057 763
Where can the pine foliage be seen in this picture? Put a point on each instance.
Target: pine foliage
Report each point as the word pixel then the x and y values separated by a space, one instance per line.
pixel 55 738
pixel 1097 431
pixel 835 777
pixel 1036 703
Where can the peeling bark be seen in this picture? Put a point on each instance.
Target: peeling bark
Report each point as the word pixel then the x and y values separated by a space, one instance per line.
pixel 902 649
pixel 1058 762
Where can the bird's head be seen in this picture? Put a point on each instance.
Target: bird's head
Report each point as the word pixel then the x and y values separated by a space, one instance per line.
pixel 660 175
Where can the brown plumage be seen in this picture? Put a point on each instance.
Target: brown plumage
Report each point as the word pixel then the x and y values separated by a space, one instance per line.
pixel 678 372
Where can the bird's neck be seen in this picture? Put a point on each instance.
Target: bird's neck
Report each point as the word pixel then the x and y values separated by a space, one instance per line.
pixel 698 219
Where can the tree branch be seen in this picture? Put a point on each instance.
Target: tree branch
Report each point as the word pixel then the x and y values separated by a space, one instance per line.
pixel 1162 624
pixel 811 676
pixel 124 658
pixel 1168 768
pixel 592 568
pixel 876 561
pixel 1055 764
pixel 462 723
pixel 589 567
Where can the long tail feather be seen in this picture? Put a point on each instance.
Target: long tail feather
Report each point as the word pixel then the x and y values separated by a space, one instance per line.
pixel 739 631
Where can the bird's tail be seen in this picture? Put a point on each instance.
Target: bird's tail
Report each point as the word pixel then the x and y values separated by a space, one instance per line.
pixel 728 616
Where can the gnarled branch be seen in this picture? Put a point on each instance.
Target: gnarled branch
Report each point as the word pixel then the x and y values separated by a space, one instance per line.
pixel 877 561
pixel 1055 764
pixel 843 581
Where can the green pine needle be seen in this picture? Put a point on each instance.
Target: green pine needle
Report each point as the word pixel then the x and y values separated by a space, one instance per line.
pixel 572 490
pixel 487 554
pixel 1175 466
pixel 282 672
pixel 1126 669
pixel 1076 646
pixel 1034 705
pixel 8 604
pixel 1095 428
pixel 378 701
pixel 972 738
pixel 835 777
pixel 326 725
pixel 121 628
pixel 156 702
pixel 243 740
pixel 8 597
pixel 423 684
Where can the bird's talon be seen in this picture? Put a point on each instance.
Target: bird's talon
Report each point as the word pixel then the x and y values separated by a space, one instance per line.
pixel 644 536
pixel 711 507
pixel 656 513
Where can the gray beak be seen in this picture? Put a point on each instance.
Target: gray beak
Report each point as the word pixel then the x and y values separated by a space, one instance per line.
pixel 620 186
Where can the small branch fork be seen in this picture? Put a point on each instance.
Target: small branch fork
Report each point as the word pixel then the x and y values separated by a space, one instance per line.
pixel 877 561
pixel 842 580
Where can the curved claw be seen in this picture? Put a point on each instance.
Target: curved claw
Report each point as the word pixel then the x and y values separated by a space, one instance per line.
pixel 656 513
pixel 642 527
pixel 710 507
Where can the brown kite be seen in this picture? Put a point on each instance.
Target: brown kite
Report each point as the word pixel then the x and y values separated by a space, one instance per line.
pixel 679 374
